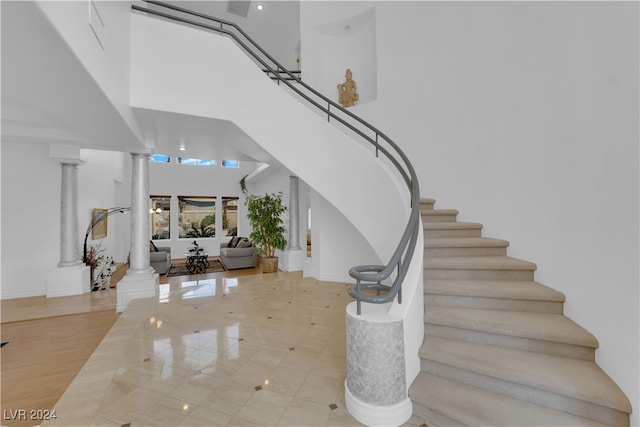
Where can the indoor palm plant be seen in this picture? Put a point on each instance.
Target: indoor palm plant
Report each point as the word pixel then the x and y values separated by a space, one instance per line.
pixel 264 213
pixel 204 228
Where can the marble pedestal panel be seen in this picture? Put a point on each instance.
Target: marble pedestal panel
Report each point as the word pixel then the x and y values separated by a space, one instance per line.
pixel 375 388
pixel 137 285
pixel 67 281
pixel 292 260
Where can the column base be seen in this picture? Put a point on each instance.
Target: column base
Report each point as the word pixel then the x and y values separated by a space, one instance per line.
pixel 372 415
pixel 292 260
pixel 133 286
pixel 67 281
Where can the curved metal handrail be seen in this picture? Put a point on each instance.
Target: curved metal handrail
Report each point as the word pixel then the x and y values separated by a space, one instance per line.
pixel 368 277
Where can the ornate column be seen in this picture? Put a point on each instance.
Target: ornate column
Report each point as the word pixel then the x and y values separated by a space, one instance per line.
pixel 139 256
pixel 141 281
pixel 71 276
pixel 292 259
pixel 69 240
pixel 294 213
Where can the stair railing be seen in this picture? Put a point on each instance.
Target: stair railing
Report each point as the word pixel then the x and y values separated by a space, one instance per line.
pixel 371 280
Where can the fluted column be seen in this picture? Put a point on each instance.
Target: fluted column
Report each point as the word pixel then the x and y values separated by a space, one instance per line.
pixel 139 256
pixel 294 213
pixel 69 240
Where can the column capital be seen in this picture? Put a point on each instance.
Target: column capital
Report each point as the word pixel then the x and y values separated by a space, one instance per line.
pixel 66 154
pixel 70 162
pixel 144 154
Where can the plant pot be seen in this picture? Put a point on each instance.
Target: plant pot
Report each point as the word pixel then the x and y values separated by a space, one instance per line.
pixel 269 264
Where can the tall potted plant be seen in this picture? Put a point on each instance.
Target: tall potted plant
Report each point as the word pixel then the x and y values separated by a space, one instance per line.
pixel 264 213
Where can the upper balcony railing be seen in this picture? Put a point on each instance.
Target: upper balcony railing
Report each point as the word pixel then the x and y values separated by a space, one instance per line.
pixel 377 284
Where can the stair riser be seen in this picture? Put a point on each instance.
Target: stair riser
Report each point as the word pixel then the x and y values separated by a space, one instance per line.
pixel 433 418
pixel 471 274
pixel 426 206
pixel 461 251
pixel 531 394
pixel 510 341
pixel 463 232
pixel 550 307
pixel 438 218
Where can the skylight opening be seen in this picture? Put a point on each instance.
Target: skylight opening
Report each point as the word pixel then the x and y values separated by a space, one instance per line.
pixel 199 162
pixel 230 164
pixel 160 158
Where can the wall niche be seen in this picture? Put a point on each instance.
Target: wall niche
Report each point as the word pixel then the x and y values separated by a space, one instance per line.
pixel 348 43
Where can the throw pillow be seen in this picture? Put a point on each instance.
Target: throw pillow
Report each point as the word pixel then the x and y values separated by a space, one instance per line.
pixel 234 242
pixel 244 243
pixel 152 247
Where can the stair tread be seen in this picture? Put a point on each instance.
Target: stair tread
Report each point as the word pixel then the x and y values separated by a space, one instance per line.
pixel 540 326
pixel 578 379
pixel 464 242
pixel 482 407
pixel 499 262
pixel 507 289
pixel 451 225
pixel 436 212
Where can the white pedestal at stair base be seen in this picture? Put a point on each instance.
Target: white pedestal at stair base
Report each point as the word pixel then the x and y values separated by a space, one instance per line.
pixel 375 388
pixel 292 260
pixel 136 285
pixel 377 416
pixel 66 281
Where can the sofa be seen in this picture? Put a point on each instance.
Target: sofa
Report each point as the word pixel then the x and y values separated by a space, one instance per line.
pixel 160 259
pixel 238 253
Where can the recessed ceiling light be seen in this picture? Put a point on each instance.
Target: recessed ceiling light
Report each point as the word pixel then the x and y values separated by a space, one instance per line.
pixel 260 6
pixel 182 147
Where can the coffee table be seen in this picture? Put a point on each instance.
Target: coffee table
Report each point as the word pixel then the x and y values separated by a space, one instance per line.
pixel 197 262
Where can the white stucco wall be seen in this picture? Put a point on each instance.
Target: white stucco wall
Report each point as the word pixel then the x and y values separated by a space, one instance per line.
pixel 30 219
pixel 524 116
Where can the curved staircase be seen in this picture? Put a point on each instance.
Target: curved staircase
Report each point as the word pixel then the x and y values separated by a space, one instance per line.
pixel 498 349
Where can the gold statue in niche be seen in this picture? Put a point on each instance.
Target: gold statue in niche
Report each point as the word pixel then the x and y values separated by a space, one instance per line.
pixel 347 90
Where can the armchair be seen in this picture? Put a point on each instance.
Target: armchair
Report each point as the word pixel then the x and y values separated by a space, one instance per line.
pixel 239 256
pixel 160 259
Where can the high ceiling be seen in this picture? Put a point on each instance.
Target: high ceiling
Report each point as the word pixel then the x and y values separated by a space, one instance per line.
pixel 48 98
pixel 276 27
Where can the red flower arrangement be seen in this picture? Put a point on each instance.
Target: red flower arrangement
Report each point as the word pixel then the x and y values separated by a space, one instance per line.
pixel 95 255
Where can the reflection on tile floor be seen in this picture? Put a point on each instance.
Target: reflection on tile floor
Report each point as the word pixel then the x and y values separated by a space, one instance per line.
pixel 261 350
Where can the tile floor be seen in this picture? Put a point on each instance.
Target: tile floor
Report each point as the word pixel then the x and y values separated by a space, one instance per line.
pixel 262 350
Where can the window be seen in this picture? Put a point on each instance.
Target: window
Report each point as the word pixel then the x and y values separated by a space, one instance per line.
pixel 230 216
pixel 160 158
pixel 230 164
pixel 197 217
pixel 160 212
pixel 201 162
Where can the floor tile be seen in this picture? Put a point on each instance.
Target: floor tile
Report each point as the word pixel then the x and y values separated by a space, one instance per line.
pixel 301 413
